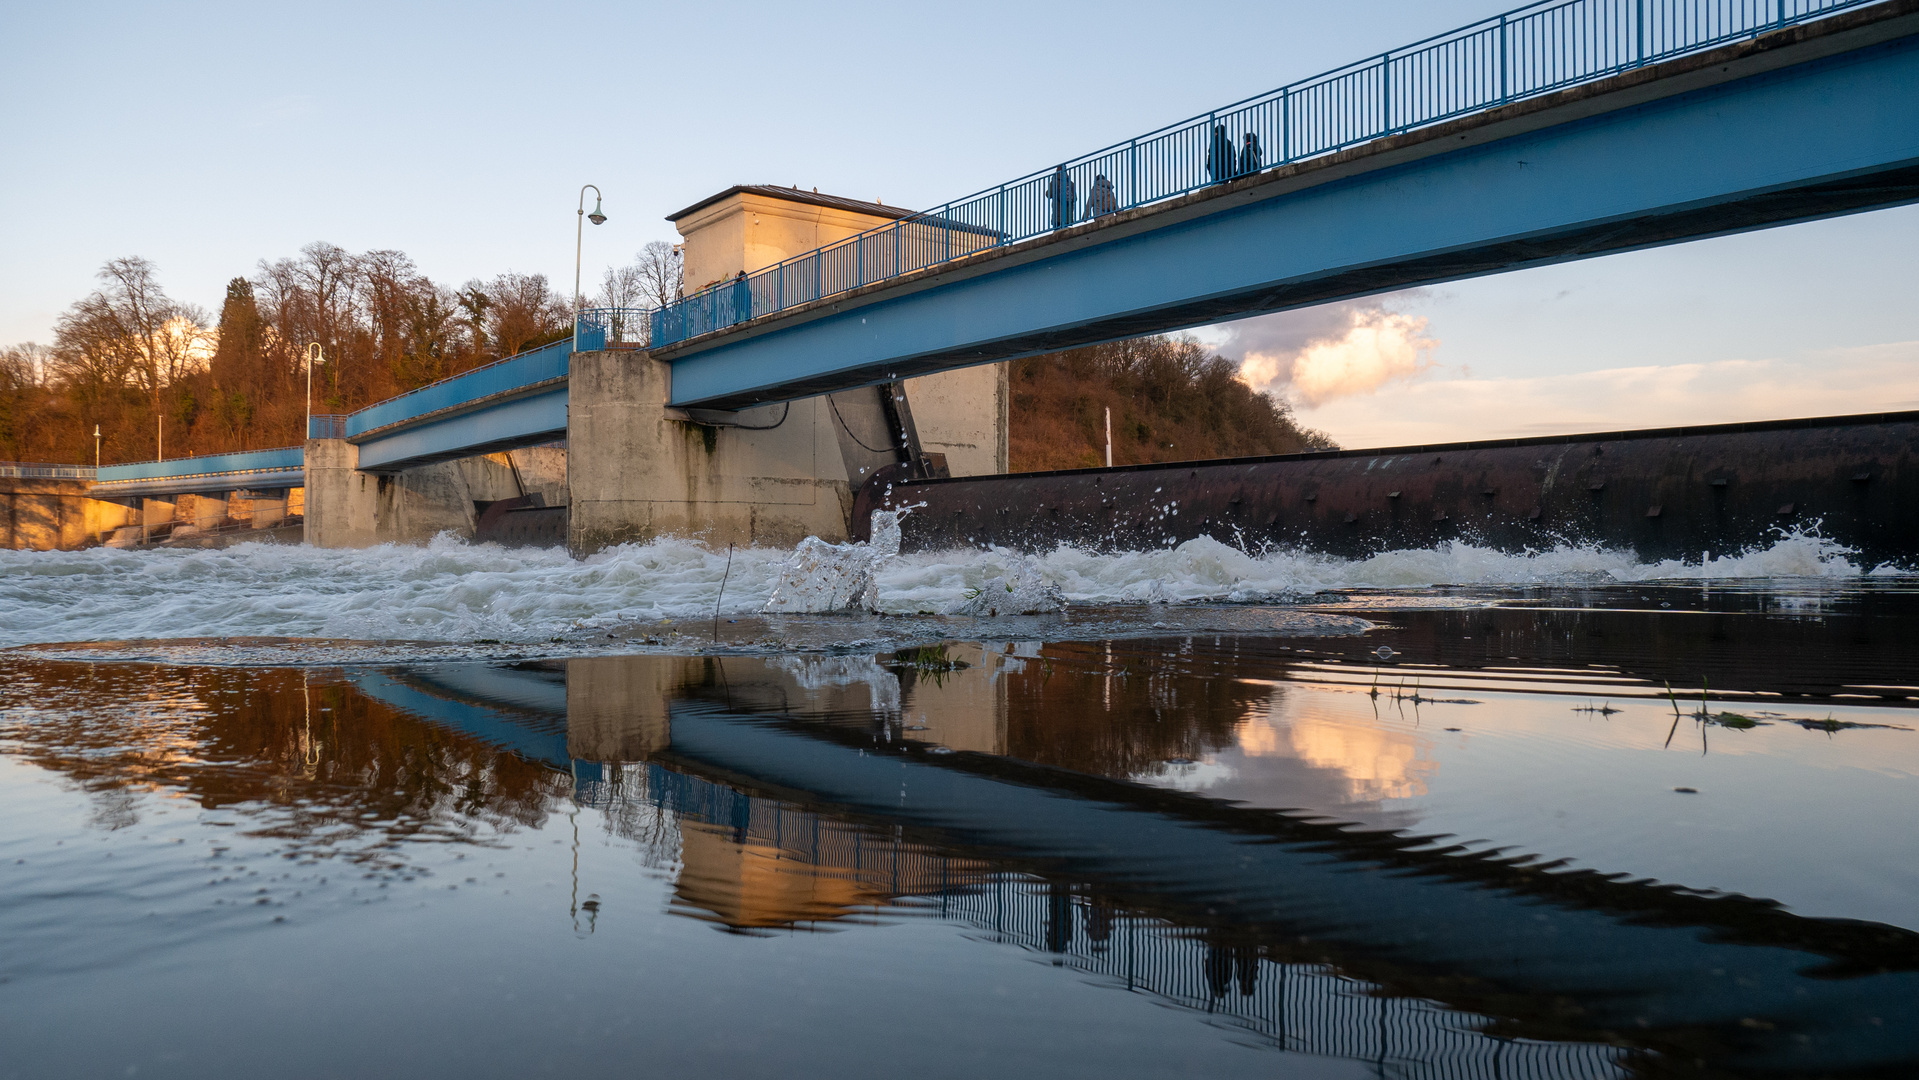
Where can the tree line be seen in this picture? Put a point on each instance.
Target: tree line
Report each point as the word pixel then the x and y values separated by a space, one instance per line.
pixel 1170 399
pixel 159 377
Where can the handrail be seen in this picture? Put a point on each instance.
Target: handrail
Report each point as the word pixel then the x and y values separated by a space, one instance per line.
pixel 603 327
pixel 33 470
pixel 521 369
pixel 285 458
pixel 1531 50
pixel 327 425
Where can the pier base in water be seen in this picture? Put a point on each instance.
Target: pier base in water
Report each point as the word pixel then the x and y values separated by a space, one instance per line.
pixel 348 508
pixel 774 475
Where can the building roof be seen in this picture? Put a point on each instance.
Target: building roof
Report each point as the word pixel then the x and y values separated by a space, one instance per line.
pixel 793 194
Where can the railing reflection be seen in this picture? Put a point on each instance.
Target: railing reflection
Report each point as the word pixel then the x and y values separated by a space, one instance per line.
pixel 783 796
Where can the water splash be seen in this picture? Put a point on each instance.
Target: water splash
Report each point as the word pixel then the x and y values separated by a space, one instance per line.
pixel 453 591
pixel 821 577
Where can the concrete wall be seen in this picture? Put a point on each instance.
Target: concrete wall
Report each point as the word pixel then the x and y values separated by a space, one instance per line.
pixel 964 414
pixel 345 507
pixel 542 471
pixel 636 471
pixel 47 515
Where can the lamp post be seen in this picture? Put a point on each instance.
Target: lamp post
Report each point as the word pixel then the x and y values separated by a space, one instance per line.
pixel 313 347
pixel 579 238
pixel 96 448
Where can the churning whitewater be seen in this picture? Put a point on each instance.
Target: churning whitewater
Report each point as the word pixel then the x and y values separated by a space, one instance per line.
pixel 454 591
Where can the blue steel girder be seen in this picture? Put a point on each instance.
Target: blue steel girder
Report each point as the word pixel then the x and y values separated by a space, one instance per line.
pixel 1741 138
pixel 132 492
pixel 505 423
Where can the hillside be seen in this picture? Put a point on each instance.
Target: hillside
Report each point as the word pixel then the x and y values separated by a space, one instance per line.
pixel 1171 400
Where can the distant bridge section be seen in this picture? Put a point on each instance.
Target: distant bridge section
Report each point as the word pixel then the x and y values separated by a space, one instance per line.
pixel 253 470
pixel 1560 131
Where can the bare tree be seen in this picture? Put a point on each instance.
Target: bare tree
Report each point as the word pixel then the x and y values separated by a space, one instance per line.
pixel 660 273
pixel 622 287
pixel 131 332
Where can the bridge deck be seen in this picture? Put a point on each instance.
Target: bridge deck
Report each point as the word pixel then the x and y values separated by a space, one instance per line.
pixel 1795 124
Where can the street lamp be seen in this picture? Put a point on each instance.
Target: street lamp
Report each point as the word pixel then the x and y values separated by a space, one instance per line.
pixel 579 236
pixel 313 347
pixel 96 448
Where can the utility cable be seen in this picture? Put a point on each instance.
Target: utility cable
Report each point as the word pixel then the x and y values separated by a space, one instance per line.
pixel 764 427
pixel 850 433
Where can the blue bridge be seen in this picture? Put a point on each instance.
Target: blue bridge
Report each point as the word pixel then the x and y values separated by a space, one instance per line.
pixel 1561 130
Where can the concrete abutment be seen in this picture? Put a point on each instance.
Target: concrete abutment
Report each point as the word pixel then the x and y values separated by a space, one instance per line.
pixel 348 507
pixel 639 469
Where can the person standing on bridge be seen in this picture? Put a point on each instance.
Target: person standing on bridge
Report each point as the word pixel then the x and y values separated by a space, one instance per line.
pixel 742 298
pixel 1249 155
pixel 1062 191
pixel 1103 200
pixel 1220 158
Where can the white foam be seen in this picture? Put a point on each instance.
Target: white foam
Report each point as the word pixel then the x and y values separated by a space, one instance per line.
pixel 450 590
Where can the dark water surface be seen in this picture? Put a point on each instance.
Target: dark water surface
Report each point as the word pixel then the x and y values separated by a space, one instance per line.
pixel 1650 830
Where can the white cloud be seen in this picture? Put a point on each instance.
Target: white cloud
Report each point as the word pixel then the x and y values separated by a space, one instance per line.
pixel 1449 409
pixel 1329 352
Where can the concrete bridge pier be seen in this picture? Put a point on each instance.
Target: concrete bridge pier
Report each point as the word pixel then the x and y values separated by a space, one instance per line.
pixel 153 514
pixel 346 506
pixel 638 469
pixel 263 509
pixel 772 475
pixel 48 514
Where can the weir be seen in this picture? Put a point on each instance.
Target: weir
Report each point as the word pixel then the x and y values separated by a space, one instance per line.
pixel 1676 493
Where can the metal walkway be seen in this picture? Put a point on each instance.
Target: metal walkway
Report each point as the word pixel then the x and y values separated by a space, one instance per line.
pixel 1411 169
pixel 1525 53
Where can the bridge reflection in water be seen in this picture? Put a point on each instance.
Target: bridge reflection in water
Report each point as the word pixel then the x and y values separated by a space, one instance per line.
pixel 808 792
pixel 752 863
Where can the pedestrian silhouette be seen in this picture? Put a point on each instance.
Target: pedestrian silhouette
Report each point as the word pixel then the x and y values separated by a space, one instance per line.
pixel 742 298
pixel 1061 190
pixel 1103 200
pixel 1221 161
pixel 1249 155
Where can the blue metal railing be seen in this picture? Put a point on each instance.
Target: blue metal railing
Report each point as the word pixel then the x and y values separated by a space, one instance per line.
pixel 27 470
pixel 513 373
pixel 290 457
pixel 1531 50
pixel 327 425
pixel 615 327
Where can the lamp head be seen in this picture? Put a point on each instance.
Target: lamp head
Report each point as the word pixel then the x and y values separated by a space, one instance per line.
pixel 596 217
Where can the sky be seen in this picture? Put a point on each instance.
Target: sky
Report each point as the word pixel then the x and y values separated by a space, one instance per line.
pixel 208 136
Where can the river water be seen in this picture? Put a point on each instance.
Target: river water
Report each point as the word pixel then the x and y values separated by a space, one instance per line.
pixel 459 810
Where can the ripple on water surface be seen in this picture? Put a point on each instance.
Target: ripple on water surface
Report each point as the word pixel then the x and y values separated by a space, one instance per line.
pixel 1213 850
